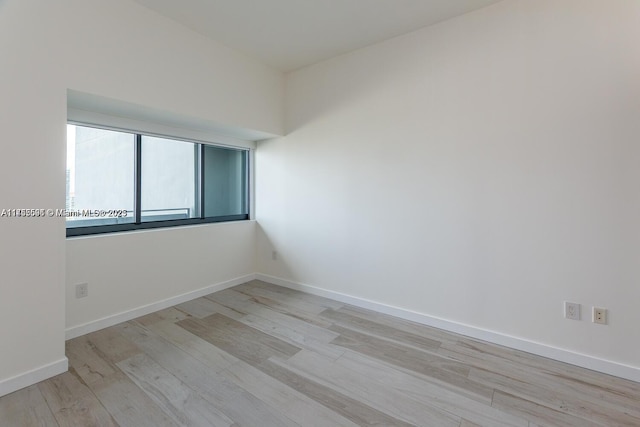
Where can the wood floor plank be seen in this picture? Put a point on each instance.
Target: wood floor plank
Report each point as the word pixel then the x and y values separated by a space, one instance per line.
pixel 286 327
pixel 302 296
pixel 294 329
pixel 555 398
pixel 242 341
pixel 408 358
pixel 26 408
pixel 300 408
pixel 230 399
pixel 290 333
pixel 539 414
pixel 312 330
pixel 128 404
pixel 290 326
pixel 193 345
pixel 113 346
pixel 405 325
pixel 72 403
pixel 225 310
pixel 438 394
pixel 359 341
pixel 85 359
pixel 199 307
pixel 230 293
pixel 246 304
pixel 171 314
pixel 352 409
pixel 386 350
pixel 122 398
pixel 616 392
pixel 181 403
pixel 560 370
pixel 367 389
pixel 253 308
pixel 236 301
pixel 284 302
pixel 544 384
pixel 380 330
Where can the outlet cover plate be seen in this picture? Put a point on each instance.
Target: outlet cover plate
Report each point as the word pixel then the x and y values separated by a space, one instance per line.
pixel 600 315
pixel 572 310
pixel 82 290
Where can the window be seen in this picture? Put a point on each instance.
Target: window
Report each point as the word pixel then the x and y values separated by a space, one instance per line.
pixel 168 179
pixel 120 181
pixel 225 182
pixel 100 175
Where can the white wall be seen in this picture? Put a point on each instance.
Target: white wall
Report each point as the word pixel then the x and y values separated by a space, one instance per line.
pixel 481 171
pixel 126 271
pixel 120 50
pixel 32 127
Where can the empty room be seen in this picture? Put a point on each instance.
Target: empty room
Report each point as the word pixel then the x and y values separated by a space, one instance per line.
pixel 320 213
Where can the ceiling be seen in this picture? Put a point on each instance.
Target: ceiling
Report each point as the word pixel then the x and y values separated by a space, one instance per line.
pixel 289 34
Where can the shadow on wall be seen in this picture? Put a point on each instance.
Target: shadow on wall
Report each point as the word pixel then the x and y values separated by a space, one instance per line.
pixel 338 85
pixel 270 261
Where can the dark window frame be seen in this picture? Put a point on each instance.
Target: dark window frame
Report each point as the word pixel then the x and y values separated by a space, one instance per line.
pixel 138 224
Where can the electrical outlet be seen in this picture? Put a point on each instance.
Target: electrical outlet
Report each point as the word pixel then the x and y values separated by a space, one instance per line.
pixel 572 310
pixel 600 315
pixel 274 255
pixel 82 290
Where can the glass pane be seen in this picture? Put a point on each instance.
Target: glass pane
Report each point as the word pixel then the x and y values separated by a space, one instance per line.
pixel 225 182
pixel 168 179
pixel 100 176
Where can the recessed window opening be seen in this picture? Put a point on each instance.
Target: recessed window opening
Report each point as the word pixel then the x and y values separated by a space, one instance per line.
pixel 121 181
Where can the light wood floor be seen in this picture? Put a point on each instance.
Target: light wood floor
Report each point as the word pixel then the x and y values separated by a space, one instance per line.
pixel 261 355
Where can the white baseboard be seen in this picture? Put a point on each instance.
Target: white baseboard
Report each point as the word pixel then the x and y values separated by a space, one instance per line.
pixel 114 319
pixel 601 365
pixel 33 376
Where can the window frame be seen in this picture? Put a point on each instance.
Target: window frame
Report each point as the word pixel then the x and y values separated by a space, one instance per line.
pixel 138 224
